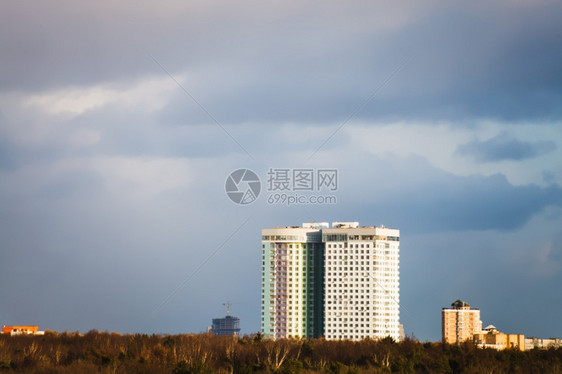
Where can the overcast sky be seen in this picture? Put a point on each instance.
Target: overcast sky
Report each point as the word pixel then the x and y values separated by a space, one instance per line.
pixel 119 124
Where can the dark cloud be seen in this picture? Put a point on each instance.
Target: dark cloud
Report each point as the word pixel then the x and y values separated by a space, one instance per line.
pixel 497 61
pixel 298 62
pixel 477 203
pixel 462 63
pixel 504 147
pixel 415 196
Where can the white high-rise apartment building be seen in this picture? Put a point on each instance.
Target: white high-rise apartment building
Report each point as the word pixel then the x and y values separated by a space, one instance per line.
pixel 361 282
pixel 341 282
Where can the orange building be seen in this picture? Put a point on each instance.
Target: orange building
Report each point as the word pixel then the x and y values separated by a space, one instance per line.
pixel 459 323
pixel 490 337
pixel 22 330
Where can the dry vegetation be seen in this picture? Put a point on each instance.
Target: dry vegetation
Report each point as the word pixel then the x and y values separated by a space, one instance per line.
pixel 101 352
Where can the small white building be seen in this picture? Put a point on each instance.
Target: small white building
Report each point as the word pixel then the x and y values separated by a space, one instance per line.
pixel 539 343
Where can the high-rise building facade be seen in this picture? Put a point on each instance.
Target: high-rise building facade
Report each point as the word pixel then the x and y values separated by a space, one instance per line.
pixel 341 282
pixel 362 282
pixel 292 280
pixel 460 322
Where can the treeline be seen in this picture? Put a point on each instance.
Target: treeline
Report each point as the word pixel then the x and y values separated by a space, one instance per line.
pixel 102 352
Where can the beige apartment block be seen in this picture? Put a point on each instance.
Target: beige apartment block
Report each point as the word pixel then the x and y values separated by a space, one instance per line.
pixel 460 322
pixel 490 337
